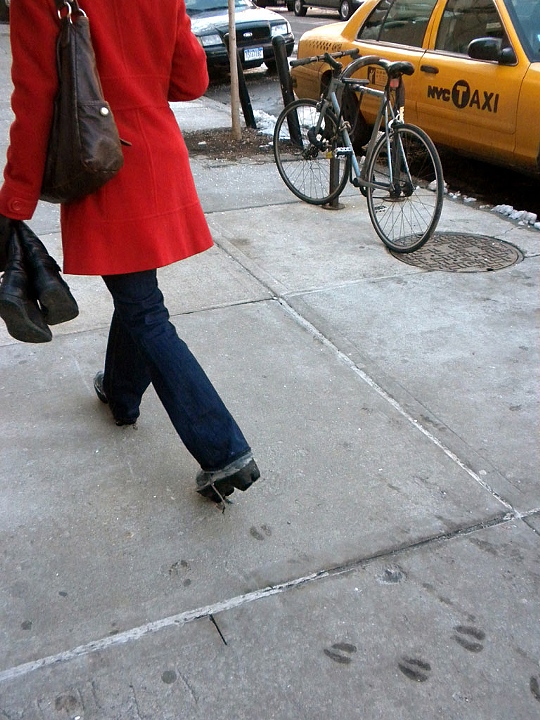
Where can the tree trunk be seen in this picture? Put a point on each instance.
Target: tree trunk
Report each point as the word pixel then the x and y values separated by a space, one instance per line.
pixel 235 98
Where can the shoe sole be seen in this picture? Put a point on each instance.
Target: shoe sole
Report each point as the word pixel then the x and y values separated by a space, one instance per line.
pixel 23 321
pixel 241 480
pixel 58 305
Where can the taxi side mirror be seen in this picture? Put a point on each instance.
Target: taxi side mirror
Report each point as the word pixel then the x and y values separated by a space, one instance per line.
pixel 491 49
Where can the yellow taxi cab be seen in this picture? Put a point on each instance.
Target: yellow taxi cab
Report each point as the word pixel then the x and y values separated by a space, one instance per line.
pixel 476 85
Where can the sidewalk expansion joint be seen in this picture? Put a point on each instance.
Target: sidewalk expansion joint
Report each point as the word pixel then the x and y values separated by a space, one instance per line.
pixel 279 295
pixel 309 327
pixel 209 611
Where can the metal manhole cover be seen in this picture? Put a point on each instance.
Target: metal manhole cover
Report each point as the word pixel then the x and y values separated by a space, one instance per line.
pixel 460 252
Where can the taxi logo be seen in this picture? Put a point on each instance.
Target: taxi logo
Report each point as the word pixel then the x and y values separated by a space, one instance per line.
pixel 323 46
pixel 462 96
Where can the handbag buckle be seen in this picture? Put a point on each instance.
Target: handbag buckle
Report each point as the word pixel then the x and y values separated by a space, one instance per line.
pixel 65 9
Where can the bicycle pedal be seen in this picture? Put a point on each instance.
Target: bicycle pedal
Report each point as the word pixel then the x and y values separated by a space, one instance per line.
pixel 343 152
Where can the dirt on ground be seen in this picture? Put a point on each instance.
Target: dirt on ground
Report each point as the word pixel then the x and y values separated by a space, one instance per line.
pixel 486 183
pixel 219 144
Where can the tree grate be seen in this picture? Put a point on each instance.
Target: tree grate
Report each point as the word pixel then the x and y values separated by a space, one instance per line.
pixel 461 252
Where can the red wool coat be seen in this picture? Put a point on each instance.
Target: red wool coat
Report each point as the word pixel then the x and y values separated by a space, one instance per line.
pixel 149 215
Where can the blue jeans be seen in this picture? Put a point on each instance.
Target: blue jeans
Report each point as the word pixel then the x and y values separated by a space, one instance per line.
pixel 144 348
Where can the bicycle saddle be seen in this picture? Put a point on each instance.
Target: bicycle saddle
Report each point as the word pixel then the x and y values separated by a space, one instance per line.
pixel 401 67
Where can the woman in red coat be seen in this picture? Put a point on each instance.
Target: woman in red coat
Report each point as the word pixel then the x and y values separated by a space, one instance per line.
pixel 146 217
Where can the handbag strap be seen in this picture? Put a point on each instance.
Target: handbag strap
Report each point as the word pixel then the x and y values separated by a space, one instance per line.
pixel 67 8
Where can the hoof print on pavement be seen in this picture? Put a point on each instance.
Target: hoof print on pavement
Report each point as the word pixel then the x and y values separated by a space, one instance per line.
pixel 415 669
pixel 340 652
pixel 168 677
pixel 179 567
pixel 535 687
pixel 258 533
pixel 392 575
pixel 67 702
pixel 469 637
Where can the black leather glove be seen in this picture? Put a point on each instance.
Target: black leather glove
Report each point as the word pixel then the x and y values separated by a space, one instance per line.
pixel 5 227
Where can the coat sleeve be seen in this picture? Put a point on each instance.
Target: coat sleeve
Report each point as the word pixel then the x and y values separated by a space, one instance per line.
pixel 35 84
pixel 189 73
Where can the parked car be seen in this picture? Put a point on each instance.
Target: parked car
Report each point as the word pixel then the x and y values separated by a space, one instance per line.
pixel 476 85
pixel 4 11
pixel 255 29
pixel 273 3
pixel 345 8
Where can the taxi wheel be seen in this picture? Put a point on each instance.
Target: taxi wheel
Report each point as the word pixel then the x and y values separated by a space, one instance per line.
pixel 4 12
pixel 299 8
pixel 345 10
pixel 360 131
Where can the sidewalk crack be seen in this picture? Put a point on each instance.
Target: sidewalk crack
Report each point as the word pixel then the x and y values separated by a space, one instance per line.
pixel 209 611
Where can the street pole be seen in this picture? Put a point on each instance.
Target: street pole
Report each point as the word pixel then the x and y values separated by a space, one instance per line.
pixel 235 98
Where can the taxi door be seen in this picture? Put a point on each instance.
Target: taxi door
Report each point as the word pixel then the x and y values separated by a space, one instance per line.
pixel 465 99
pixel 395 31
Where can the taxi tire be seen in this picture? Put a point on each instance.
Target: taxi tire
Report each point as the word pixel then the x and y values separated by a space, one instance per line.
pixel 360 131
pixel 4 12
pixel 345 9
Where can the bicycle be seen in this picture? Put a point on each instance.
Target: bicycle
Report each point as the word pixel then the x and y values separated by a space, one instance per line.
pixel 401 174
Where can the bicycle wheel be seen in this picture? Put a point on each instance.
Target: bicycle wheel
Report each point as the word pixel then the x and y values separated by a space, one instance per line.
pixel 304 162
pixel 405 213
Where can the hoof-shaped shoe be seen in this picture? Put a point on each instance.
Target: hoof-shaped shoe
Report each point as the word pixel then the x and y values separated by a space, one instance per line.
pixel 216 485
pixel 100 392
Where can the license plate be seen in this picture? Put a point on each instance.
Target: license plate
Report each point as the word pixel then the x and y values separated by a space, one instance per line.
pixel 253 54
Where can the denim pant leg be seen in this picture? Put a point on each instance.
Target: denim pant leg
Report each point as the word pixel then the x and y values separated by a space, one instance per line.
pixel 198 414
pixel 126 372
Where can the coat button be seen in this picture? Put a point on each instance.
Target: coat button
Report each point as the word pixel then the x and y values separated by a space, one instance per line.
pixel 104 111
pixel 16 205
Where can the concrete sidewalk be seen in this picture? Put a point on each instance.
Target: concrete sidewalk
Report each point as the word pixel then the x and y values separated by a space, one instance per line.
pixel 386 564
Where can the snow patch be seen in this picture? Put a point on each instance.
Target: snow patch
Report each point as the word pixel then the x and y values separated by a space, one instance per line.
pixel 523 217
pixel 265 122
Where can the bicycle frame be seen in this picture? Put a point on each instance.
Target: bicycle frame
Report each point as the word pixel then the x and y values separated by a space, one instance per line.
pixel 386 115
pixel 401 175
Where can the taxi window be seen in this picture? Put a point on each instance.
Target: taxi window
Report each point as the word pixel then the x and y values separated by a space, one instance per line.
pixel 526 20
pixel 466 20
pixel 401 22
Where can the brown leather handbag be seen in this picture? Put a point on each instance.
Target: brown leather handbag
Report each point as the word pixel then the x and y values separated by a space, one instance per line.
pixel 84 149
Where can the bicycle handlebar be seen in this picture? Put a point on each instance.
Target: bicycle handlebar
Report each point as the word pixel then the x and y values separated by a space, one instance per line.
pixel 393 69
pixel 327 57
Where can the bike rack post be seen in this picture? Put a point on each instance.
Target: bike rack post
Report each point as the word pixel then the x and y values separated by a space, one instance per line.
pixel 282 66
pixel 285 81
pixel 334 181
pixel 245 100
